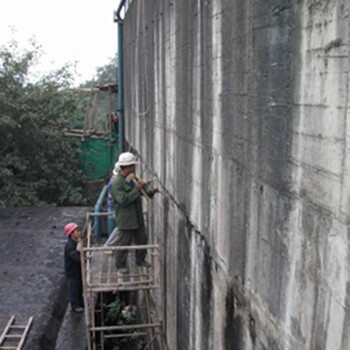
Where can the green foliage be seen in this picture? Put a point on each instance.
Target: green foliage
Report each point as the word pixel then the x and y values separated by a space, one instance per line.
pixel 114 313
pixel 115 316
pixel 38 164
pixel 108 73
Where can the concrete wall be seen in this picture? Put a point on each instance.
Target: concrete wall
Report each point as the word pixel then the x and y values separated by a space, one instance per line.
pixel 239 111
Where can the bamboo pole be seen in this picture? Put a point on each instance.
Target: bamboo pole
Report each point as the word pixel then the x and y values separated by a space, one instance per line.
pixel 109 269
pixel 127 327
pixel 94 109
pixel 87 113
pixel 102 322
pixel 122 247
pixel 89 292
pixel 80 131
pixel 85 296
pixel 131 283
pixel 149 332
pixel 122 335
pixel 90 136
pixel 160 302
pixel 119 289
pixel 92 308
pixel 110 114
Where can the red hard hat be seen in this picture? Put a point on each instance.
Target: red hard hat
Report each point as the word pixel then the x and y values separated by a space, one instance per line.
pixel 69 228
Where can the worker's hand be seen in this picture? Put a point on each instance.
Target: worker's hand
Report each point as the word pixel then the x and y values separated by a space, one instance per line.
pixel 155 190
pixel 80 246
pixel 139 184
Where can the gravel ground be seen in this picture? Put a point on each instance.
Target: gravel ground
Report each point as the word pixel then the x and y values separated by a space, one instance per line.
pixel 32 281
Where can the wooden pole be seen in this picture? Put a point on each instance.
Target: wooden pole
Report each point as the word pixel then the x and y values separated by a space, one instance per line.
pixel 110 114
pixel 102 322
pixel 122 247
pixel 126 327
pixel 85 291
pixel 92 308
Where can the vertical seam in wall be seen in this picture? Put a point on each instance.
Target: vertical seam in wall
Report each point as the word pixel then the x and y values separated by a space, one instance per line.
pixel 298 140
pixel 343 165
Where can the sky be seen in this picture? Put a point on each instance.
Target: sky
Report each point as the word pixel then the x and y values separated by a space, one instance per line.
pixel 79 31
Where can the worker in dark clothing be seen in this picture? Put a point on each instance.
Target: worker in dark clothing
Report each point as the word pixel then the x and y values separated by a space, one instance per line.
pixel 72 266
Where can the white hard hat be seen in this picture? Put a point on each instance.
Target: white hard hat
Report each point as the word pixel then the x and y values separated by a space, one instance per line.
pixel 126 158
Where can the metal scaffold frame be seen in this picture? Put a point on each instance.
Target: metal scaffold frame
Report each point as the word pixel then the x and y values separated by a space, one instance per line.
pixel 100 276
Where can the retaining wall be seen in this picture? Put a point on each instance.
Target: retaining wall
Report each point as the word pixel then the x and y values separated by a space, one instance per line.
pixel 239 111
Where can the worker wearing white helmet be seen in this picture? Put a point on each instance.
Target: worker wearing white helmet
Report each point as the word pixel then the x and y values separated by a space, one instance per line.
pixel 126 159
pixel 126 194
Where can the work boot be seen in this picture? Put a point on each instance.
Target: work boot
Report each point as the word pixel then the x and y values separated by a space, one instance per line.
pixel 144 263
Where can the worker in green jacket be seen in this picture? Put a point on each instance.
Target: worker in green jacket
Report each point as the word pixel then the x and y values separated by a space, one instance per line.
pixel 126 192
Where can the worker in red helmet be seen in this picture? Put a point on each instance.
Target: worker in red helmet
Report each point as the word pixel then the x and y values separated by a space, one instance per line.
pixel 72 266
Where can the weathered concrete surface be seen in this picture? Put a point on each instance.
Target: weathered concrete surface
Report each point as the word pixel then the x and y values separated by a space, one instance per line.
pixel 72 333
pixel 32 279
pixel 239 111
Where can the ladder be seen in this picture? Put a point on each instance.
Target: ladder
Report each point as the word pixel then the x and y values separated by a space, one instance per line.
pixel 14 333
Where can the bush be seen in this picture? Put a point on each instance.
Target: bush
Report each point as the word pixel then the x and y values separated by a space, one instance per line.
pixel 38 164
pixel 116 316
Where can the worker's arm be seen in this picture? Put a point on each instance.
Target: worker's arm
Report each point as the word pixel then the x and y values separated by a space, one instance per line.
pixel 73 253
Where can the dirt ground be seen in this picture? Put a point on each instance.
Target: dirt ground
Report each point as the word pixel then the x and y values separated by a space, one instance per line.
pixel 32 279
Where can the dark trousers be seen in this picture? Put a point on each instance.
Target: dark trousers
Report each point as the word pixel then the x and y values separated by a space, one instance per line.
pixel 75 292
pixel 126 237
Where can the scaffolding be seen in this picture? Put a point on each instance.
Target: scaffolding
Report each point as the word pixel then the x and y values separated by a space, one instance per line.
pixel 100 132
pixel 100 276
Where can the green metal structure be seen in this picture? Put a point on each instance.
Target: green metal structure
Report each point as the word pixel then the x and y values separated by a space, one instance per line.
pixel 97 158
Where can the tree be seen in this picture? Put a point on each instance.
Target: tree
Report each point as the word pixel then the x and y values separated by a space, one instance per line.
pixel 108 72
pixel 38 164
